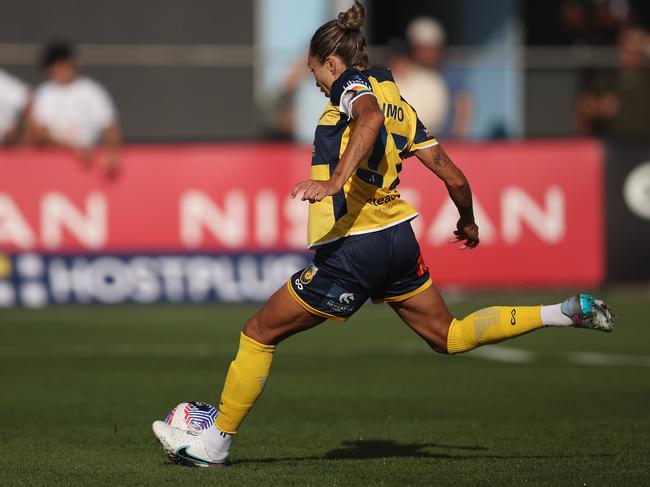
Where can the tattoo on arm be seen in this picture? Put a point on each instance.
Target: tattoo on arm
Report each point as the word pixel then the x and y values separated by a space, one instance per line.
pixel 437 160
pixel 440 161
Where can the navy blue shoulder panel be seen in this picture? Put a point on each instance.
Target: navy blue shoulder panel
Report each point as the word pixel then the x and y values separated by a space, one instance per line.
pixel 348 77
pixel 380 74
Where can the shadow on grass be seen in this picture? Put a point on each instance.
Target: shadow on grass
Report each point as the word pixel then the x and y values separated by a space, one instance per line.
pixel 368 449
pixel 360 449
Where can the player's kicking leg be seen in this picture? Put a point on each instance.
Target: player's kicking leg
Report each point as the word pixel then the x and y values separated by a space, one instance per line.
pixel 427 314
pixel 278 319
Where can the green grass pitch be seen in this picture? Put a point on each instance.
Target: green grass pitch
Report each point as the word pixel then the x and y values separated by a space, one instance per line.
pixel 361 403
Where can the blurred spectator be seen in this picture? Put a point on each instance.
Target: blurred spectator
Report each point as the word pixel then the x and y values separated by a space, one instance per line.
pixel 423 88
pixel 71 110
pixel 280 110
pixel 297 106
pixel 437 93
pixel 592 22
pixel 14 98
pixel 617 103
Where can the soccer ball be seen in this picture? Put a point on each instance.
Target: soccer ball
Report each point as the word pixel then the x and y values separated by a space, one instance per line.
pixel 194 416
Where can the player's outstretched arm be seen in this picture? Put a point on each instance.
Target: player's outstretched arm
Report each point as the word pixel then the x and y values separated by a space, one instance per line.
pixel 436 159
pixel 370 119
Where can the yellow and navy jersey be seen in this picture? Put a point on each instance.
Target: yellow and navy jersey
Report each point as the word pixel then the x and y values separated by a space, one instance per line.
pixel 369 200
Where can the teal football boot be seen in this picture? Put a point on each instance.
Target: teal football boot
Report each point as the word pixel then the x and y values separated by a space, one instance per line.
pixel 588 312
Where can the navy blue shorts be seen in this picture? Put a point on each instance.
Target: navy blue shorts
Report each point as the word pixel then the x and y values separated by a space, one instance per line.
pixel 386 266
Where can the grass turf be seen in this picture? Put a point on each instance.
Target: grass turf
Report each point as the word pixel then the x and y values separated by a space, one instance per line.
pixel 363 403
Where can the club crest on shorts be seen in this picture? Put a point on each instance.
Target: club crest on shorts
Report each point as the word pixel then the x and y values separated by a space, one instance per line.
pixel 308 274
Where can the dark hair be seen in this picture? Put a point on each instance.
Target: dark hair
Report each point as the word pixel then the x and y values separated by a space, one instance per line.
pixel 56 51
pixel 342 37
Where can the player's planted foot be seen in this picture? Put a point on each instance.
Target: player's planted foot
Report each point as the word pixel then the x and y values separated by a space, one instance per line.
pixel 585 311
pixel 189 447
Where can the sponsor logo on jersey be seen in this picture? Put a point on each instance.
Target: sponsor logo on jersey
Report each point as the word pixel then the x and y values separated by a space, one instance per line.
pixel 357 83
pixel 382 201
pixel 308 274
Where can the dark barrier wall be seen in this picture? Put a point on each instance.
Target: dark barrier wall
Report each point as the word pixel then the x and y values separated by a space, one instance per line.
pixel 162 96
pixel 126 21
pixel 628 212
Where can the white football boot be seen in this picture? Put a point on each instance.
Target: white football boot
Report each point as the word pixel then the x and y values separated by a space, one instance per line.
pixel 588 312
pixel 187 447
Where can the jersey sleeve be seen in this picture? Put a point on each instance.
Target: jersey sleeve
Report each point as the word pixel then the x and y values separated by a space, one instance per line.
pixel 422 138
pixel 350 86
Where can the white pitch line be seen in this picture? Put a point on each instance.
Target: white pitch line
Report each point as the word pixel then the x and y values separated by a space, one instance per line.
pixel 608 359
pixel 504 354
pixel 519 356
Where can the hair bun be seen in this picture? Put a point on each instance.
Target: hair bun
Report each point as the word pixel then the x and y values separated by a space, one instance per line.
pixel 352 19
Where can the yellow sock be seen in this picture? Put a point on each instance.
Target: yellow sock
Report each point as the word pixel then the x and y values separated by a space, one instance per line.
pixel 244 383
pixel 491 325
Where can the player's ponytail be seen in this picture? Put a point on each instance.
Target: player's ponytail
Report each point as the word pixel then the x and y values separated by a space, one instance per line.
pixel 352 19
pixel 342 37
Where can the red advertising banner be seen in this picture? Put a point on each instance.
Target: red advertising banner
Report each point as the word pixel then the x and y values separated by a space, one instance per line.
pixel 538 206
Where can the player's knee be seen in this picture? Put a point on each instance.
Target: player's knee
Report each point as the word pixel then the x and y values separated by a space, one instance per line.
pixel 254 329
pixel 437 336
pixel 437 345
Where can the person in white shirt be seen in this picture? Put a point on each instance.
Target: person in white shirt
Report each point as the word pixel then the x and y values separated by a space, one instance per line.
pixel 437 91
pixel 74 111
pixel 14 98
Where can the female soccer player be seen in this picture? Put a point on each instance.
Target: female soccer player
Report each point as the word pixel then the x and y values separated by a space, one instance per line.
pixel 365 247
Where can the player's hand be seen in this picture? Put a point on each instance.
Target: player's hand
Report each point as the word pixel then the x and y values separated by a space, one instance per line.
pixel 466 232
pixel 314 190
